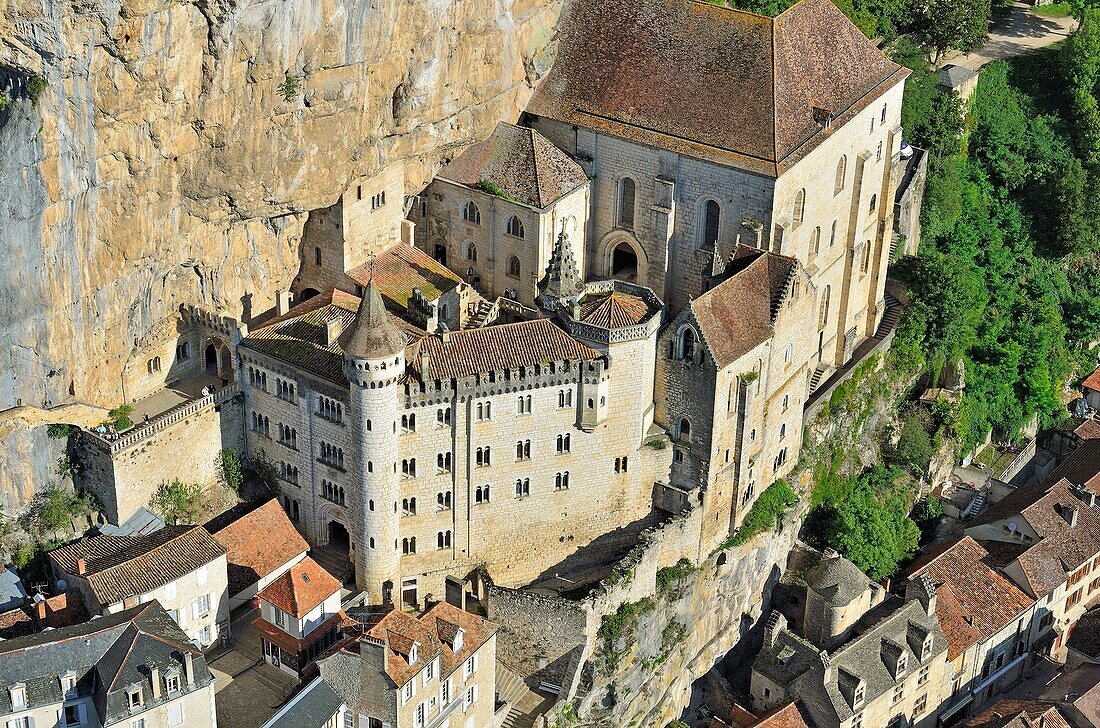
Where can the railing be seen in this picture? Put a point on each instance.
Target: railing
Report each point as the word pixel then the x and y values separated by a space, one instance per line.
pixel 515 307
pixel 169 418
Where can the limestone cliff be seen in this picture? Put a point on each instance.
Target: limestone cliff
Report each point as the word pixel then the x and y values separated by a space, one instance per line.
pixel 180 143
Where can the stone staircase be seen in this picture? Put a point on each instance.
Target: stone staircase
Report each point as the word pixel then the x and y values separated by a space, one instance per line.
pixel 334 561
pixel 483 315
pixel 821 373
pixel 524 705
pixel 890 317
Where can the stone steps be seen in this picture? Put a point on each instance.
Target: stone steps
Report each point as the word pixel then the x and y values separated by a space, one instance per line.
pixel 334 561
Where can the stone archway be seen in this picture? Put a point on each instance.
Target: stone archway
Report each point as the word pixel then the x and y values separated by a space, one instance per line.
pixel 621 256
pixel 217 360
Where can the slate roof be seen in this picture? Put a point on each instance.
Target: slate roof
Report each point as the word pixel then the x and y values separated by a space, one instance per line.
pixel 311 707
pixel 526 166
pixel 258 543
pixel 974 599
pixel 298 337
pixel 401 269
pixel 1085 636
pixel 738 314
pixel 1019 714
pixel 372 334
pixel 301 588
pixel 709 81
pixel 614 310
pixel 107 655
pixel 838 580
pixel 495 348
pixel 123 566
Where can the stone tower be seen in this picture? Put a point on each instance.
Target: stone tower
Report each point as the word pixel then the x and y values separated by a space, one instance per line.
pixel 837 595
pixel 374 359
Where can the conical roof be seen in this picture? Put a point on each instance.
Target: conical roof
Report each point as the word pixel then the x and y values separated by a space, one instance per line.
pixel 837 579
pixel 372 335
pixel 563 280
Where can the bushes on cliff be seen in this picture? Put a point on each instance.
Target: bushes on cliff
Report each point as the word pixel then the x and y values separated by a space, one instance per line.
pixel 52 511
pixel 766 513
pixel 178 502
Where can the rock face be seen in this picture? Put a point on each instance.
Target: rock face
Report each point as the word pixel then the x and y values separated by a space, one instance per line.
pixel 180 144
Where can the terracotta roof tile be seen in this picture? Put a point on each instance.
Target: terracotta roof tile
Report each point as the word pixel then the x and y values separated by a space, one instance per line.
pixel 1085 637
pixel 122 566
pixel 258 543
pixel 494 348
pixel 522 162
pixel 789 716
pixel 709 81
pixel 1019 714
pixel 1092 381
pixel 615 310
pixel 738 313
pixel 1088 429
pixel 304 586
pixel 16 623
pixel 401 269
pixel 975 600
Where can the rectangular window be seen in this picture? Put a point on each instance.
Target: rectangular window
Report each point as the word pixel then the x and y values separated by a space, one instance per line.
pixel 920 706
pixel 280 618
pixel 175 713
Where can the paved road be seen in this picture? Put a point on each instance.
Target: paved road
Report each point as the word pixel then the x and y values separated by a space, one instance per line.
pixel 1013 35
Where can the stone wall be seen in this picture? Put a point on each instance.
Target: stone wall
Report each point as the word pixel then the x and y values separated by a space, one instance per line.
pixel 538 633
pixel 170 161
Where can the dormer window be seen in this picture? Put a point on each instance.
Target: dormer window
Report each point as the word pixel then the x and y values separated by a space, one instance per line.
pixel 68 685
pixel 926 648
pixel 413 657
pixel 134 698
pixel 172 683
pixel 458 639
pixel 859 695
pixel 903 664
pixel 18 695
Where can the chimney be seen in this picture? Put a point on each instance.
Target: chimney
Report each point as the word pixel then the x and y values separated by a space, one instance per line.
pixel 81 566
pixel 282 302
pixel 189 667
pixel 424 361
pixel 1070 513
pixel 1088 497
pixel 332 332
pixel 372 650
pixel 40 607
pixel 154 678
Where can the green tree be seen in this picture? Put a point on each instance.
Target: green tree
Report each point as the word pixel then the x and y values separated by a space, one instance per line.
pixel 958 24
pixel 872 527
pixel 914 448
pixel 230 469
pixel 178 502
pixel 52 511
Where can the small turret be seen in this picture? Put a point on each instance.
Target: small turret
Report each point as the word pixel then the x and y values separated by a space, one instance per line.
pixel 372 335
pixel 562 280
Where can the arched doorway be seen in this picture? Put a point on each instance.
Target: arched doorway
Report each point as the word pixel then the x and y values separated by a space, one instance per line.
pixel 308 293
pixel 338 536
pixel 211 359
pixel 624 262
pixel 218 361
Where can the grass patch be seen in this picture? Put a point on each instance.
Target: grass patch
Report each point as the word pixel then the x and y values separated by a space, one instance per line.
pixel 1053 10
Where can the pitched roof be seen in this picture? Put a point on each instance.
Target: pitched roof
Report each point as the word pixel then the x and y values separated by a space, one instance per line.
pixel 118 567
pixel 522 162
pixel 789 716
pixel 709 81
pixel 403 268
pixel 1019 714
pixel 493 348
pixel 311 707
pixel 1085 636
pixel 301 588
pixel 1092 381
pixel 298 337
pixel 738 314
pixel 1089 429
pixel 258 543
pixel 975 600
pixel 614 310
pixel 372 334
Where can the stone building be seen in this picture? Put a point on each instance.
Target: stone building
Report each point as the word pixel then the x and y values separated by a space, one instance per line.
pixel 182 567
pixel 714 126
pixel 885 667
pixel 412 672
pixel 733 375
pixel 494 213
pixel 300 616
pixel 130 668
pixel 428 455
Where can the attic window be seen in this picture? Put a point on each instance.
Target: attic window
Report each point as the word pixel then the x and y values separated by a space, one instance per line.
pixel 458 639
pixel 18 695
pixel 305 578
pixel 412 653
pixel 68 684
pixel 172 681
pixel 858 695
pixel 134 697
pixel 903 665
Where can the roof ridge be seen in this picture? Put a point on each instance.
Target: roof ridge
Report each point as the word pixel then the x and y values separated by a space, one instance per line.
pixel 150 552
pixel 129 650
pixel 535 164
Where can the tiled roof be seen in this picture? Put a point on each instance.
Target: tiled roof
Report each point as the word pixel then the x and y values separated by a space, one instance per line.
pixel 298 337
pixel 614 310
pixel 16 623
pixel 1089 429
pixel 1085 637
pixel 1080 467
pixel 709 81
pixel 123 566
pixel 372 334
pixel 975 600
pixel 314 706
pixel 526 166
pixel 494 348
pixel 301 588
pixel 401 269
pixel 1019 714
pixel 737 315
pixel 837 579
pixel 1092 381
pixel 258 543
pixel 789 716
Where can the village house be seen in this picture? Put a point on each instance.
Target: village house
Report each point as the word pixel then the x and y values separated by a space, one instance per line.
pixel 1020 714
pixel 300 616
pixel 260 547
pixel 438 669
pixel 316 705
pixel 885 667
pixel 134 668
pixel 181 567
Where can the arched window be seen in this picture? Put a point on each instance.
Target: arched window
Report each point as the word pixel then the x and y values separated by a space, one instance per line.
pixel 800 206
pixel 825 306
pixel 626 203
pixel 874 204
pixel 883 117
pixel 782 430
pixel 513 266
pixel 514 226
pixel 471 252
pixel 712 222
pixel 786 401
pixel 841 169
pixel 865 264
pixel 788 353
pixel 687 344
pixel 685 428
pixel 471 214
pixel 815 241
pixel 832 235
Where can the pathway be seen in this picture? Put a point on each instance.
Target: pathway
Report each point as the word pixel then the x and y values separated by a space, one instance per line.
pixel 1017 33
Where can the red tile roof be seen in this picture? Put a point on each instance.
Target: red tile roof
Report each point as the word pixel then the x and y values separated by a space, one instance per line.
pixel 1092 381
pixel 614 310
pixel 401 269
pixel 1088 429
pixel 1019 714
pixel 709 81
pixel 258 543
pixel 974 599
pixel 737 315
pixel 789 716
pixel 495 348
pixel 304 586
pixel 527 167
pixel 123 566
